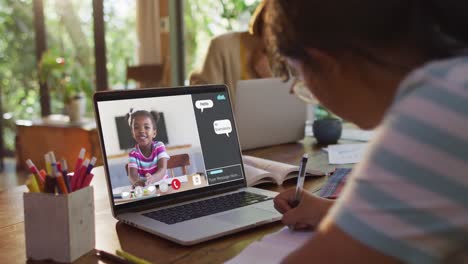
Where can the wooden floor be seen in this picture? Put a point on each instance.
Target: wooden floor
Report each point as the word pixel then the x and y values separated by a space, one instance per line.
pixel 9 177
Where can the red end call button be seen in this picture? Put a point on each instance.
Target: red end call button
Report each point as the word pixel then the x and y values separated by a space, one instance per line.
pixel 175 184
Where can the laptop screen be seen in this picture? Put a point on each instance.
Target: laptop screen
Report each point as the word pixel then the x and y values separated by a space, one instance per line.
pixel 163 143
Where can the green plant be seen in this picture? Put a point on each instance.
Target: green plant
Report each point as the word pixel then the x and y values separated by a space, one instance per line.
pixel 65 78
pixel 323 113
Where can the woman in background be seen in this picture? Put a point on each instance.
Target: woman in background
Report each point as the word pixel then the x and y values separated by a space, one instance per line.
pixel 236 56
pixel 398 64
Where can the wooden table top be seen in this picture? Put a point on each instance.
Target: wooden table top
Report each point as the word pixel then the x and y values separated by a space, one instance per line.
pixel 112 235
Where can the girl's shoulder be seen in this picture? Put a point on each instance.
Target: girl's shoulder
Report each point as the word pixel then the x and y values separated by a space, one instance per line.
pixel 448 74
pixel 158 144
pixel 452 70
pixel 133 152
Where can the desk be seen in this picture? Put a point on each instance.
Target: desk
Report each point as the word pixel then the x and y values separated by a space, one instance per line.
pixel 187 183
pixel 36 138
pixel 111 235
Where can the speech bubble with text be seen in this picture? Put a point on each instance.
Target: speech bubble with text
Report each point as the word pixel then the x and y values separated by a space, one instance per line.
pixel 203 104
pixel 222 127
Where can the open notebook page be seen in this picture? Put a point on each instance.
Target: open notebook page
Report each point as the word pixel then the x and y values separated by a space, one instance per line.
pixel 272 248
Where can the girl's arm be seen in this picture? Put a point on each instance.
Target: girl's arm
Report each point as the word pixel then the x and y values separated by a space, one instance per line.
pixel 134 177
pixel 160 173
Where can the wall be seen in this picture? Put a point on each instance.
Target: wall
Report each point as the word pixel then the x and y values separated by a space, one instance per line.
pixel 178 113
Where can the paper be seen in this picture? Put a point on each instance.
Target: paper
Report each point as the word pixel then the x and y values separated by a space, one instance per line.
pixel 357 134
pixel 272 248
pixel 346 153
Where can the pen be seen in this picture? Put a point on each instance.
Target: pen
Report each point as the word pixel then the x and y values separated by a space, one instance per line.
pixel 84 177
pixel 64 167
pixel 78 179
pixel 35 171
pixel 61 179
pixel 300 184
pixel 53 163
pixel 87 181
pixel 57 174
pixel 133 259
pixel 91 165
pixel 47 164
pixel 43 174
pixel 65 174
pixel 51 177
pixel 300 180
pixel 111 257
pixel 59 166
pixel 78 164
pixel 50 183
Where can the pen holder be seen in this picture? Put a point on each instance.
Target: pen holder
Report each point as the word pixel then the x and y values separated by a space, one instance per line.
pixel 59 227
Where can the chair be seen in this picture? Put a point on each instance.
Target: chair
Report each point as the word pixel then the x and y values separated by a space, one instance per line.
pixel 148 75
pixel 178 161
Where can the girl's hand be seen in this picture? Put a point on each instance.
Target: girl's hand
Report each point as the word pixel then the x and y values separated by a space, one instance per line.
pixel 307 214
pixel 139 183
pixel 150 179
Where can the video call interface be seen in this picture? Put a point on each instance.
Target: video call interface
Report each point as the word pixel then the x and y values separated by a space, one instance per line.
pixel 199 127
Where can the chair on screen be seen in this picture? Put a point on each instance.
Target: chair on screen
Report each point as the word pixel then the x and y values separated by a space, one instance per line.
pixel 178 161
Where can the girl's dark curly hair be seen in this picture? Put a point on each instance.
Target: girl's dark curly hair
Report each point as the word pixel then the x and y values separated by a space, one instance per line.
pixel 438 28
pixel 153 115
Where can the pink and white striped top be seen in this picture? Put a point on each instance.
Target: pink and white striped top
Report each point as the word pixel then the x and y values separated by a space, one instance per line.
pixel 144 164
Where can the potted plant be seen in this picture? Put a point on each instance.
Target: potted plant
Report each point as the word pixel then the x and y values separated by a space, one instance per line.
pixel 327 127
pixel 67 81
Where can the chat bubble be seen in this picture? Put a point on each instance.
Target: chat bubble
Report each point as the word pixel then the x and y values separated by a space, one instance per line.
pixel 202 104
pixel 222 127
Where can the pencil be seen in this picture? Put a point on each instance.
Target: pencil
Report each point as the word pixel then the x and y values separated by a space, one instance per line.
pixel 31 183
pixel 111 257
pixel 131 258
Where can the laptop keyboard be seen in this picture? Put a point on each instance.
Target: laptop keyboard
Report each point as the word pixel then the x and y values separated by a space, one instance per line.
pixel 202 208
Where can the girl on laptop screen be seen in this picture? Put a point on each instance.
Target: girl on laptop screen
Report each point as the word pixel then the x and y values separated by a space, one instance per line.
pixel 147 161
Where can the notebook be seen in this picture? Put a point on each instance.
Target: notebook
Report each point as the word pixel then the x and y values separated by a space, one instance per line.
pixel 203 197
pixel 261 122
pixel 272 248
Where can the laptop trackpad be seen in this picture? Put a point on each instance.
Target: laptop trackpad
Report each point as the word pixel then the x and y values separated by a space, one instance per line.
pixel 246 215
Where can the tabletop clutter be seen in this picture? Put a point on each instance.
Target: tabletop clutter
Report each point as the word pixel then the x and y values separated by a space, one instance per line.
pixel 59 212
pixel 59 209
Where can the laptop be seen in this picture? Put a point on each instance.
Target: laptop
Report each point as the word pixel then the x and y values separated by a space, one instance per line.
pixel 206 199
pixel 261 122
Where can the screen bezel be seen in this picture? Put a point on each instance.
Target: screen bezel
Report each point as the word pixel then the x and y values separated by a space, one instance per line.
pixel 172 198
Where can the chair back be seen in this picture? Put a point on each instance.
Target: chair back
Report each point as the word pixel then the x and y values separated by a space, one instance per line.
pixel 178 161
pixel 148 75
